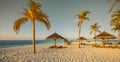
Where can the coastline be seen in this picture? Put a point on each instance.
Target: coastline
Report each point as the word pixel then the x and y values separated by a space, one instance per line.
pixel 17 43
pixel 70 54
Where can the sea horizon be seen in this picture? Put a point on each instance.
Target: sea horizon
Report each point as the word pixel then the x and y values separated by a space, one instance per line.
pixel 14 43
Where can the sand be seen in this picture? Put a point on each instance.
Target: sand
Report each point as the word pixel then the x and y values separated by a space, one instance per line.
pixel 70 54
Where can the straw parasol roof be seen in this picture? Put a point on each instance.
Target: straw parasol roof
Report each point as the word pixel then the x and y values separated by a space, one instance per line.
pixel 81 38
pixel 54 36
pixel 105 35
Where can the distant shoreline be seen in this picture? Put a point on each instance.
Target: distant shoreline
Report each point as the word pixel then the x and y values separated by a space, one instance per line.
pixel 14 43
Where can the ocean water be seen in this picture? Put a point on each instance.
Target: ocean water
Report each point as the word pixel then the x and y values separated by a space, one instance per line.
pixel 13 43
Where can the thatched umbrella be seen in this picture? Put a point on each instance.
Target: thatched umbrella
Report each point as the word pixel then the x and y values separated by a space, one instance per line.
pixel 81 38
pixel 54 36
pixel 105 35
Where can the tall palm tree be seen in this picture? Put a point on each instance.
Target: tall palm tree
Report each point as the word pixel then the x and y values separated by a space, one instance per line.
pixel 94 28
pixel 81 16
pixel 113 4
pixel 115 22
pixel 34 13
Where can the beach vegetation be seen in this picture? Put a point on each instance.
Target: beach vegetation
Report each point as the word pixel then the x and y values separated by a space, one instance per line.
pixel 33 13
pixel 67 42
pixel 94 29
pixel 116 2
pixel 81 16
pixel 115 22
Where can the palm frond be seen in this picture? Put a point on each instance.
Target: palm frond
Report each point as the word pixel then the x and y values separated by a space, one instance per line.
pixel 27 13
pixel 86 18
pixel 78 16
pixel 91 32
pixel 113 21
pixel 98 26
pixel 95 27
pixel 99 31
pixel 114 29
pixel 41 14
pixel 92 25
pixel 115 15
pixel 118 11
pixel 18 23
pixel 95 24
pixel 112 6
pixel 117 22
pixel 84 13
pixel 45 21
pixel 34 5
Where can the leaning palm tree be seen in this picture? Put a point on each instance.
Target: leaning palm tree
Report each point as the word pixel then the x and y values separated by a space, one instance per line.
pixel 33 13
pixel 115 22
pixel 81 16
pixel 94 28
pixel 113 4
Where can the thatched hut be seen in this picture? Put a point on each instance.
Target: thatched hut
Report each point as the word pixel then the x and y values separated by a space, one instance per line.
pixel 104 35
pixel 81 38
pixel 54 37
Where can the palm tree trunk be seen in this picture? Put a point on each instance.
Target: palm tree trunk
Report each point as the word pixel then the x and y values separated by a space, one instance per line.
pixel 119 35
pixel 79 36
pixel 33 36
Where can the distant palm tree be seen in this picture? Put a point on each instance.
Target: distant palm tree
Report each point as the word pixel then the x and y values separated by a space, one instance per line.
pixel 67 42
pixel 113 4
pixel 115 22
pixel 33 13
pixel 81 16
pixel 94 28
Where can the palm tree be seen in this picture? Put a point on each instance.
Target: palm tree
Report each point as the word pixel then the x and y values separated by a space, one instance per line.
pixel 33 13
pixel 113 4
pixel 67 42
pixel 115 22
pixel 81 16
pixel 94 28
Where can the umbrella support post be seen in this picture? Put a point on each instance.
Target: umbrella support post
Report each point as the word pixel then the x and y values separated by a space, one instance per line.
pixel 55 44
pixel 79 43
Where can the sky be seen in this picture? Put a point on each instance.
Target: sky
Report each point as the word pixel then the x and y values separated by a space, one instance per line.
pixel 61 16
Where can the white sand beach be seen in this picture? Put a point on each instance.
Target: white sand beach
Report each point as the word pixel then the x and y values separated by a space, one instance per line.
pixel 72 53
